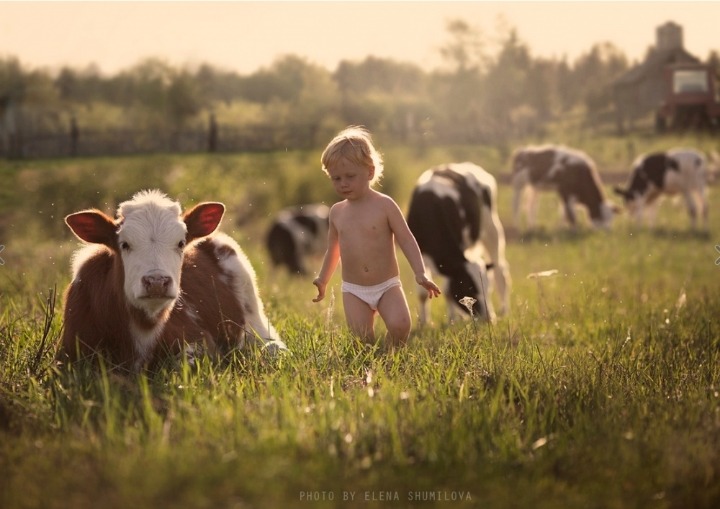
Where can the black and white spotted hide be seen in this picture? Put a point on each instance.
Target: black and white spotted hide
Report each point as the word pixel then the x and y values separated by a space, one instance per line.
pixel 296 233
pixel 677 171
pixel 453 216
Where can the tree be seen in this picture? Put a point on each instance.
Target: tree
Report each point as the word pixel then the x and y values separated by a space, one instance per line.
pixel 594 73
pixel 379 75
pixel 183 99
pixel 466 49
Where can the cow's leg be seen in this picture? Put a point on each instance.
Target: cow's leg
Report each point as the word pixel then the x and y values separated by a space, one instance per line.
pixel 699 198
pixel 700 190
pixel 691 208
pixel 244 285
pixel 501 273
pixel 649 208
pixel 493 238
pixel 702 194
pixel 638 211
pixel 520 194
pixel 452 307
pixel 532 206
pixel 569 210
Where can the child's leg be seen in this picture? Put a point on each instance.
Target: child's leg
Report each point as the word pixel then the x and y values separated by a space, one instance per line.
pixel 394 311
pixel 360 318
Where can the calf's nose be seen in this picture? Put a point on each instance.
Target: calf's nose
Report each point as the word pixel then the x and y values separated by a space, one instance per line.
pixel 156 284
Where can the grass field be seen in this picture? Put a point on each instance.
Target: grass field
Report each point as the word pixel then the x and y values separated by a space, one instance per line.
pixel 600 389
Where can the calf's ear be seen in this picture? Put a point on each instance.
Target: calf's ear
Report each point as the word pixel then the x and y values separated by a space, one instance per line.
pixel 93 226
pixel 203 219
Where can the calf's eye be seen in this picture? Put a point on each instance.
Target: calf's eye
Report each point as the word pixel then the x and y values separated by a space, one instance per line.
pixel 181 244
pixel 124 246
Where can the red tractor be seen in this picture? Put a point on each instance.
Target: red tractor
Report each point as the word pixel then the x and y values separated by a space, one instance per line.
pixel 692 98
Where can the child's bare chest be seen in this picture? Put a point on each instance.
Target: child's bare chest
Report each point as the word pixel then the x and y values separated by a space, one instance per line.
pixel 368 225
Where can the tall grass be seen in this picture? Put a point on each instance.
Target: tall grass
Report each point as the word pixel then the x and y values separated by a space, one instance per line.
pixel 600 389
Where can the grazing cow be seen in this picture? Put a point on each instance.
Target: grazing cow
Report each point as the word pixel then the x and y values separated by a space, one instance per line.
pixel 298 232
pixel 570 172
pixel 155 280
pixel 453 215
pixel 677 171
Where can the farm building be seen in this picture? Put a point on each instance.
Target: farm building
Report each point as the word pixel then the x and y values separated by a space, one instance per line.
pixel 641 89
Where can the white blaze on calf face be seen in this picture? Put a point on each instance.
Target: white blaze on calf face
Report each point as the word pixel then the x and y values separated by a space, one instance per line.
pixel 151 240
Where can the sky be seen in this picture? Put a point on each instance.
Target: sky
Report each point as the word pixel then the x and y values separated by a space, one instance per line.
pixel 244 36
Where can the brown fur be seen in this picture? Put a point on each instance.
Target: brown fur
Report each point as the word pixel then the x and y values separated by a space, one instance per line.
pixel 97 316
pixel 99 320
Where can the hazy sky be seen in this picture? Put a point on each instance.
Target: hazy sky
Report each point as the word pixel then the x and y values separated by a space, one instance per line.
pixel 245 36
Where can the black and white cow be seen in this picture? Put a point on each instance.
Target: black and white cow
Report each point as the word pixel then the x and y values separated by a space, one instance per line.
pixel 677 171
pixel 453 215
pixel 570 172
pixel 297 232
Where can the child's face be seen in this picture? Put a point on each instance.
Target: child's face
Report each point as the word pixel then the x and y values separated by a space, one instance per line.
pixel 350 179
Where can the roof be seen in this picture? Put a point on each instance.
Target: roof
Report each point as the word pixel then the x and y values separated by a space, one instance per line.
pixel 654 63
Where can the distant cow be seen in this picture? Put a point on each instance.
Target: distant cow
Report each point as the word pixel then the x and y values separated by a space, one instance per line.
pixel 677 171
pixel 154 280
pixel 298 232
pixel 569 172
pixel 453 215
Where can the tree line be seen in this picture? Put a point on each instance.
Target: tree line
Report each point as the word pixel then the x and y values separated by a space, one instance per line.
pixel 478 96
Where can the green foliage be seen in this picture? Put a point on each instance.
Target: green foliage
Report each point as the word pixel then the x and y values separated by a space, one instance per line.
pixel 480 96
pixel 599 389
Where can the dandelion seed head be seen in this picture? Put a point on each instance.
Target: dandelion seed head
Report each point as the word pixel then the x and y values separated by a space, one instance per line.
pixel 468 303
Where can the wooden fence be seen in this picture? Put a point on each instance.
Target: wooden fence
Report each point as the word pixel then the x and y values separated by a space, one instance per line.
pixel 129 141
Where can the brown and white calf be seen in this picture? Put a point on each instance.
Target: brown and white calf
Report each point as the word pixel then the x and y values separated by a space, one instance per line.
pixel 677 171
pixel 453 216
pixel 571 173
pixel 296 233
pixel 154 281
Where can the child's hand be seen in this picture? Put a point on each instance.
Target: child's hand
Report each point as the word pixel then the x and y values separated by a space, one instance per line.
pixel 321 290
pixel 432 289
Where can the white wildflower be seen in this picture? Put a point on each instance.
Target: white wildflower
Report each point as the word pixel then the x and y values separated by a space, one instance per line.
pixel 468 303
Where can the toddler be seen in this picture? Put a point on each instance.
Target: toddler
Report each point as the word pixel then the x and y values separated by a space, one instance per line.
pixel 363 229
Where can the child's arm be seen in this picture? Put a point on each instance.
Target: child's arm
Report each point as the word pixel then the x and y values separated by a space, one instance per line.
pixel 330 262
pixel 408 245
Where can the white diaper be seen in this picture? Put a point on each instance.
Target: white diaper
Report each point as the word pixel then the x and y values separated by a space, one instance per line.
pixel 371 294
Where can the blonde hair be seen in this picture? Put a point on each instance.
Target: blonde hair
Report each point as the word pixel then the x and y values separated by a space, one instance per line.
pixel 354 144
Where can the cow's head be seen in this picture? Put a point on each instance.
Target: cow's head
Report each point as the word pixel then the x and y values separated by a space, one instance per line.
pixel 630 197
pixel 638 187
pixel 150 235
pixel 521 161
pixel 471 280
pixel 608 211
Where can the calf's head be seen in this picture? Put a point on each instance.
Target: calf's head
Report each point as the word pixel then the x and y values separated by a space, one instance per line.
pixel 148 237
pixel 637 188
